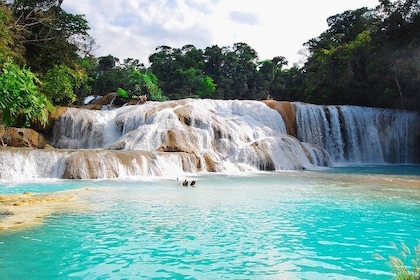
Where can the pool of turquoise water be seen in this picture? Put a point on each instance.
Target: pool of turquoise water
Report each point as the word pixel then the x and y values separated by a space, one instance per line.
pixel 289 225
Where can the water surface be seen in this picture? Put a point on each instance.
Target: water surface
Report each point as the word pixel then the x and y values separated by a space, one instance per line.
pixel 290 225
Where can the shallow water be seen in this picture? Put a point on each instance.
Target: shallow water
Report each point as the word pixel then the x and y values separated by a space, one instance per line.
pixel 290 225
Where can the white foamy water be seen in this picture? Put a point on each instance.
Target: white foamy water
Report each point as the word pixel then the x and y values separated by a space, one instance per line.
pixel 360 135
pixel 225 136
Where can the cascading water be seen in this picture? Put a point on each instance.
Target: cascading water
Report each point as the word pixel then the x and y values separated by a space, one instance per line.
pixel 232 135
pixel 360 135
pixel 168 138
pixel 85 129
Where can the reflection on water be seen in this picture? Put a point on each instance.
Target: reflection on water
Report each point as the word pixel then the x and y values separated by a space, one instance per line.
pixel 292 225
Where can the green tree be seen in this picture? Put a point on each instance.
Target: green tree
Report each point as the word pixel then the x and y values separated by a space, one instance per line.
pixel 273 83
pixel 239 72
pixel 206 87
pixel 195 83
pixel 181 72
pixel 291 84
pixel 61 83
pixel 41 35
pixel 20 99
pixel 191 57
pixel 394 71
pixel 10 39
pixel 52 36
pixel 107 63
pixel 151 84
pixel 163 64
pixel 123 93
pixel 234 72
pixel 335 73
pixel 88 66
pixel 108 76
pixel 145 84
pixel 367 57
pixel 214 61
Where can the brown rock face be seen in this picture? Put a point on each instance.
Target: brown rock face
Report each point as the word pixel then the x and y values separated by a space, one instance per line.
pixel 34 137
pixel 90 164
pixel 52 117
pixel 94 164
pixel 21 137
pixel 114 100
pixel 287 111
pixel 211 165
pixel 107 99
pixel 177 141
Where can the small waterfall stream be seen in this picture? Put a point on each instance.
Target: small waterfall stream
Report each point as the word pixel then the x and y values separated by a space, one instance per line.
pixel 360 135
pixel 229 136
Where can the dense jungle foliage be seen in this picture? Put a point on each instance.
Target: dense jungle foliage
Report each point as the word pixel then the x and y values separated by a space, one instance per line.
pixel 366 57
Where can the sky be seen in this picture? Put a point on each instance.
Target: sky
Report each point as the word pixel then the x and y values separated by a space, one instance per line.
pixel 135 28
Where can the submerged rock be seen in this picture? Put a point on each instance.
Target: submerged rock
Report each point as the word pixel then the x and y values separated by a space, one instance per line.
pixel 27 209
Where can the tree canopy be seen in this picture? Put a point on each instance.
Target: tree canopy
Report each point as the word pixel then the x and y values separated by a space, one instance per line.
pixel 366 57
pixel 41 47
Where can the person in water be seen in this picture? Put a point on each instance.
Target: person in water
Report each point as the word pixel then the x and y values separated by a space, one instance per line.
pixel 185 183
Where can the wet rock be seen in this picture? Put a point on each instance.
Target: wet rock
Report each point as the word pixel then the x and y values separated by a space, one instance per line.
pixel 21 137
pixel 5 213
pixel 287 111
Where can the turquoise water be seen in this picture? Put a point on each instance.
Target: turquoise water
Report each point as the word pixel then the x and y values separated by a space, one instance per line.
pixel 290 225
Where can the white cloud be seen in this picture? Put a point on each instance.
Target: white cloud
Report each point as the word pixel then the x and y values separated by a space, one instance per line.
pixel 244 17
pixel 134 28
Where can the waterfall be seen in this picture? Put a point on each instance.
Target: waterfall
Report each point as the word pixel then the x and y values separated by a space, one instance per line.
pixel 229 136
pixel 232 135
pixel 24 164
pixel 360 135
pixel 84 129
pixel 28 164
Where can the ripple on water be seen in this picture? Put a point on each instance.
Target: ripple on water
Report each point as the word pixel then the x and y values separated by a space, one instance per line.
pixel 291 231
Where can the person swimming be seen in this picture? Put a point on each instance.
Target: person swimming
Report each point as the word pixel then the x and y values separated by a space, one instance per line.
pixel 192 184
pixel 185 183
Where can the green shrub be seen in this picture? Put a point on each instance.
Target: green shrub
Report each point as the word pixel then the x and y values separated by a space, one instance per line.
pixel 20 97
pixel 60 84
pixel 123 93
pixel 406 266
